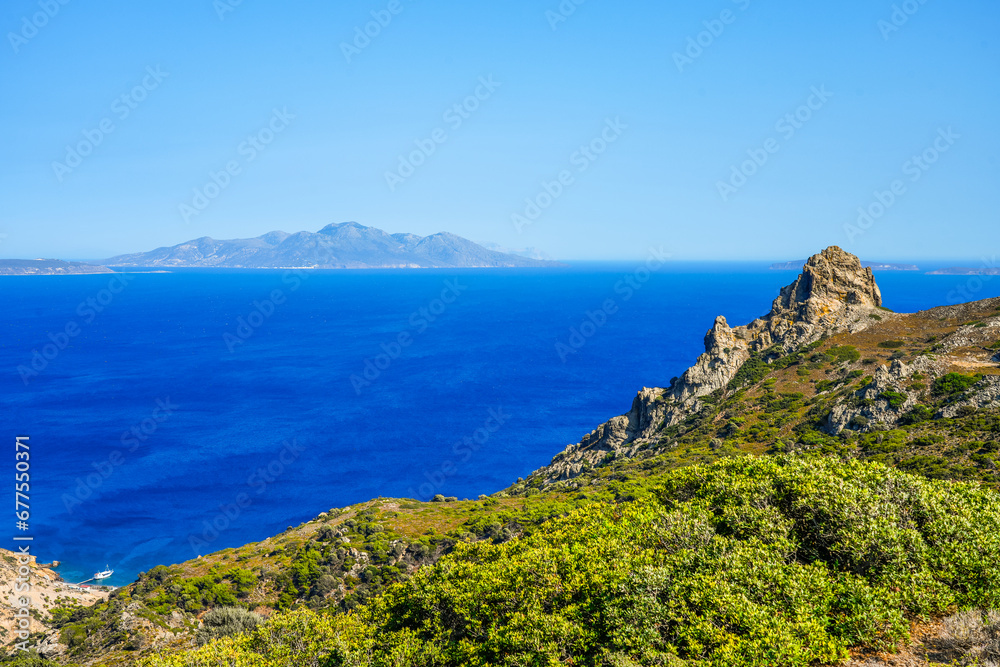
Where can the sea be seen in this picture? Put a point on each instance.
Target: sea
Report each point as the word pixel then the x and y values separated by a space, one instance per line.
pixel 170 415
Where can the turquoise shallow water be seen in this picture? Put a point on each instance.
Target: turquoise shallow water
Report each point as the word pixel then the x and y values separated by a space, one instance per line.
pixel 188 412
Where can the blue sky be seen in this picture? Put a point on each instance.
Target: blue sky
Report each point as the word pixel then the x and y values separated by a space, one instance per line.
pixel 669 135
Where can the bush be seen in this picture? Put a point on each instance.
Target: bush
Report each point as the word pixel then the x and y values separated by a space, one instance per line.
pixel 953 383
pixel 891 344
pixel 896 399
pixel 919 413
pixel 751 372
pixel 226 621
pixel 844 353
pixel 971 638
pixel 783 561
pixel 858 422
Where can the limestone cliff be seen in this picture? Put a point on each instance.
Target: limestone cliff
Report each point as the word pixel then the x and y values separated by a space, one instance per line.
pixel 833 293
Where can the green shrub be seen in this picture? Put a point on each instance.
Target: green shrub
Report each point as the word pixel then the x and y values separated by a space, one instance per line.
pixel 896 399
pixel 783 561
pixel 918 414
pixel 225 621
pixel 858 422
pixel 953 383
pixel 824 385
pixel 752 371
pixel 844 353
pixel 891 344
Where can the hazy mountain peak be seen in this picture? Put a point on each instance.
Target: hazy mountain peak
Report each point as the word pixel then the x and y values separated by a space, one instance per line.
pixel 345 245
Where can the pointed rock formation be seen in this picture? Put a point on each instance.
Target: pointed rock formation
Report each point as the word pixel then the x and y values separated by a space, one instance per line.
pixel 833 292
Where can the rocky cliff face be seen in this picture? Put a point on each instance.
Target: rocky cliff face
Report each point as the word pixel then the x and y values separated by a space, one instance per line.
pixel 833 293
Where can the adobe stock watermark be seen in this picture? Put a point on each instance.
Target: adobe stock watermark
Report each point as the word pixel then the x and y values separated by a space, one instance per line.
pixel 914 168
pixel 263 310
pixel 30 25
pixel 248 149
pixel 786 127
pixel 975 282
pixel 363 35
pixel 594 320
pixel 121 108
pixel 140 432
pixel 899 17
pixel 463 450
pixel 87 311
pixel 454 116
pixel 714 28
pixel 562 13
pixel 257 483
pixel 419 321
pixel 580 160
pixel 223 7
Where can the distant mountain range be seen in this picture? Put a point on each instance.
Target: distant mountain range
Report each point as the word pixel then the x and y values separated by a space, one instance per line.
pixel 796 265
pixel 530 253
pixel 47 267
pixel 346 245
pixel 966 271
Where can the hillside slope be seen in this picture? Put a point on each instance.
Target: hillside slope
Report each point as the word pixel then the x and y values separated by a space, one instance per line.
pixel 841 363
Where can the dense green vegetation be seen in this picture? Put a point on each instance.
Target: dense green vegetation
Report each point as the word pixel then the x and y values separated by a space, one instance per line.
pixel 785 560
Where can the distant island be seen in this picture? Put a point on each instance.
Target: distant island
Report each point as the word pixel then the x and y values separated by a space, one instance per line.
pixel 48 267
pixel 346 245
pixel 796 265
pixel 966 271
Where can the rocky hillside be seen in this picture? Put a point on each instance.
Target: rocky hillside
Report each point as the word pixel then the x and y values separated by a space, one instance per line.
pixel 338 246
pixel 830 318
pixel 48 593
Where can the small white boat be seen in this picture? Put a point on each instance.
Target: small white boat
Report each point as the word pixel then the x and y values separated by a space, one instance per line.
pixel 104 574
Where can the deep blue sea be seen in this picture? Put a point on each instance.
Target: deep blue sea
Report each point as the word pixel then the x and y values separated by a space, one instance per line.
pixel 170 406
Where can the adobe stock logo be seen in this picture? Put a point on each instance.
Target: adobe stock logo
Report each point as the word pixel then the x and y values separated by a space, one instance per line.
pixel 37 21
pixel 883 200
pixel 419 320
pixel 455 116
pixel 248 149
pixel 363 35
pixel 122 107
pixel 786 126
pixel 900 16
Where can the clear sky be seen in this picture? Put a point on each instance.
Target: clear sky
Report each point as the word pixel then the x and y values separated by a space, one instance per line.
pixel 310 127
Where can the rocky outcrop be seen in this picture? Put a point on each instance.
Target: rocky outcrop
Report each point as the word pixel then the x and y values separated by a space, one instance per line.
pixel 878 405
pixel 726 350
pixel 833 293
pixel 47 589
pixel 620 436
